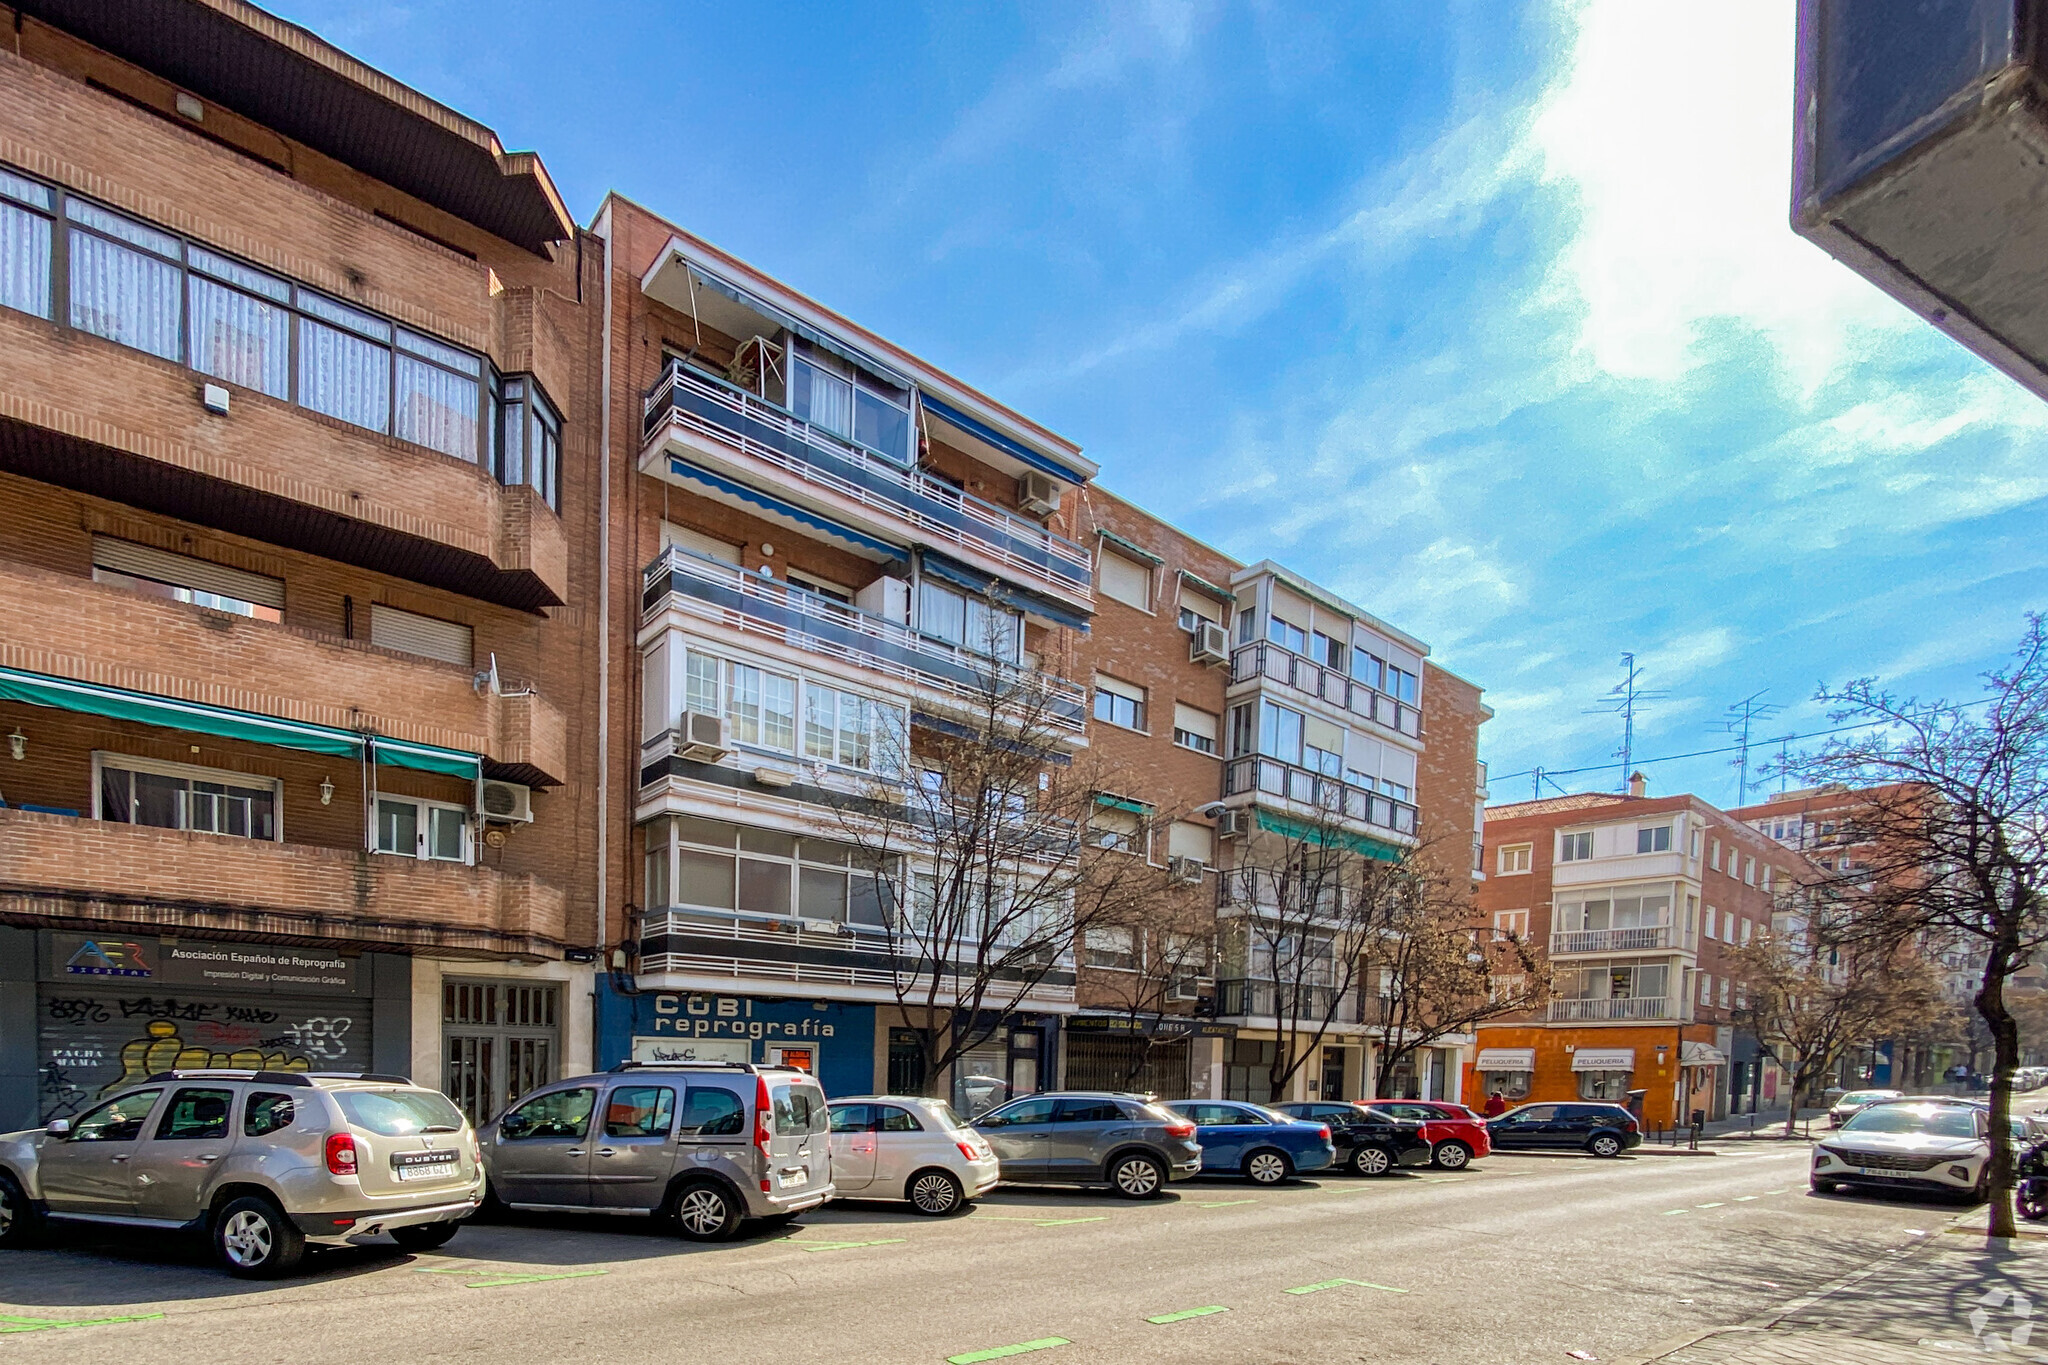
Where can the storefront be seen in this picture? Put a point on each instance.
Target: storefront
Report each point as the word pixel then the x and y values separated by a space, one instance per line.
pixel 833 1041
pixel 1151 1056
pixel 110 1011
pixel 1551 1063
pixel 1506 1072
pixel 1604 1073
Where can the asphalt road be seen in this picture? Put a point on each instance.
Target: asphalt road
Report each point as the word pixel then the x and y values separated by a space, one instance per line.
pixel 1522 1258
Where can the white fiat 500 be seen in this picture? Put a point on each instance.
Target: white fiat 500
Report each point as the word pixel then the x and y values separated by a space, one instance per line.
pixel 910 1148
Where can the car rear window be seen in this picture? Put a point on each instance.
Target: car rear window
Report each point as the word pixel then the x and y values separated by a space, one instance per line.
pixel 399 1113
pixel 799 1109
pixel 946 1114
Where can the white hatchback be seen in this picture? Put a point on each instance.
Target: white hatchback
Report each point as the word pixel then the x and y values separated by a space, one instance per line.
pixel 911 1148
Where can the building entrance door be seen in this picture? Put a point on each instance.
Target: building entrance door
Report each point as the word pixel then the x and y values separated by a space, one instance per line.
pixel 499 1039
pixel 1331 1084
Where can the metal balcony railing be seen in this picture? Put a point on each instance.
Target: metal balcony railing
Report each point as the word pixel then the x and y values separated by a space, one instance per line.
pixel 1609 940
pixel 1330 796
pixel 1250 998
pixel 765 431
pixel 768 607
pixel 1624 1007
pixel 1265 660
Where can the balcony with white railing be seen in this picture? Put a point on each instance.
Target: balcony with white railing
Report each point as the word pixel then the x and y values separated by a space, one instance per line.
pixel 1610 1009
pixel 770 609
pixel 769 446
pixel 1265 662
pixel 1566 942
pixel 1314 796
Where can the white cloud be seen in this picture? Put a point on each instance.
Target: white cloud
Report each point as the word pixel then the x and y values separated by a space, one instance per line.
pixel 1672 128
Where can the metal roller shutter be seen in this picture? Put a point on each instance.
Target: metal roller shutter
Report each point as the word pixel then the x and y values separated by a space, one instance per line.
pixel 411 633
pixel 143 561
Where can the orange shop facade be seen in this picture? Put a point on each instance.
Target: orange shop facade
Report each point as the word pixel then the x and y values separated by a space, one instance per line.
pixel 1678 1067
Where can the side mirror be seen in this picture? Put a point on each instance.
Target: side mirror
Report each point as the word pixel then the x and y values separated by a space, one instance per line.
pixel 58 1127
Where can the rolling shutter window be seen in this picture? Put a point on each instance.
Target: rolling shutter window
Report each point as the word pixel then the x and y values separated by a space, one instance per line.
pixel 142 561
pixel 1186 839
pixel 1206 607
pixel 1200 724
pixel 1325 736
pixel 410 633
pixel 1398 766
pixel 1126 580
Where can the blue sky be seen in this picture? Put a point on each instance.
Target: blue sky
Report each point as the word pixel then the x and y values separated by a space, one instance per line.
pixel 1487 316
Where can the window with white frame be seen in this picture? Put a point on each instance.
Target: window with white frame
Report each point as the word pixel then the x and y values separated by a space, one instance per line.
pixel 1706 988
pixel 1515 858
pixel 1126 579
pixel 1749 871
pixel 840 728
pixel 1118 825
pixel 1654 839
pixel 1713 923
pixel 1119 703
pixel 434 831
pixel 971 621
pixel 1628 908
pixel 1190 839
pixel 140 791
pixel 1111 948
pixel 1194 728
pixel 1726 985
pixel 851 402
pixel 1575 848
pixel 1512 924
pixel 1197 608
pixel 1286 634
pixel 1747 925
pixel 1714 855
pixel 715 866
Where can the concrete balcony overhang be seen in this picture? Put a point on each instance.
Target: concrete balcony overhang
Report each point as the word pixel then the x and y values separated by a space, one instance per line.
pixel 71 628
pixel 1920 160
pixel 88 414
pixel 59 871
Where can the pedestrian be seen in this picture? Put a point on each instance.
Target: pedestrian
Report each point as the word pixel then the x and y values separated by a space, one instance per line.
pixel 1496 1105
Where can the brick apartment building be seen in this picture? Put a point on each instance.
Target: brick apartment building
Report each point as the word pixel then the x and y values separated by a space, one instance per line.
pixel 397 540
pixel 1639 902
pixel 295 439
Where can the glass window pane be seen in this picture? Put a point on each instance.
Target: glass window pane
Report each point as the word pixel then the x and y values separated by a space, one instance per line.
pixel 881 426
pixel 116 794
pixel 433 350
pixel 235 337
pixel 436 409
pixel 445 828
pixel 701 684
pixel 159 800
pixel 24 261
pixel 126 229
pixel 764 887
pixel 941 612
pixel 124 295
pixel 821 894
pixel 778 712
pixel 344 376
pixel 259 806
pixel 822 399
pixel 821 721
pixel 342 316
pixel 398 827
pixel 865 900
pixel 704 879
pixel 27 191
pixel 239 275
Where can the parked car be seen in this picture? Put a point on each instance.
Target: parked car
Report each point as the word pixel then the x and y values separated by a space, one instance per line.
pixel 1084 1137
pixel 1602 1129
pixel 1367 1143
pixel 910 1148
pixel 710 1145
pixel 1457 1136
pixel 1263 1145
pixel 264 1163
pixel 1934 1145
pixel 1851 1101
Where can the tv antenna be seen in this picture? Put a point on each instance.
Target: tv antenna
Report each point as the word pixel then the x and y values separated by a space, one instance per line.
pixel 1740 721
pixel 1623 699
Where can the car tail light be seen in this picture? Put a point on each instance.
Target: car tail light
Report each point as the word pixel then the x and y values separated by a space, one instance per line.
pixel 476 1149
pixel 764 1108
pixel 967 1149
pixel 341 1154
pixel 1180 1128
pixel 1323 1132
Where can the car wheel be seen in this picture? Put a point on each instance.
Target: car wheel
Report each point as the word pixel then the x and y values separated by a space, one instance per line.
pixel 1822 1186
pixel 1137 1176
pixel 1605 1144
pixel 20 1220
pixel 935 1192
pixel 706 1213
pixel 1451 1156
pixel 1372 1161
pixel 1267 1167
pixel 426 1236
pixel 255 1240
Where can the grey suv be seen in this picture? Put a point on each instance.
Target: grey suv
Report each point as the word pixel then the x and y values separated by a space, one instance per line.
pixel 710 1145
pixel 264 1162
pixel 1091 1137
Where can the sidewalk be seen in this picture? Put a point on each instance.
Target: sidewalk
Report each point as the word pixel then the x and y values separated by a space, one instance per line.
pixel 1950 1294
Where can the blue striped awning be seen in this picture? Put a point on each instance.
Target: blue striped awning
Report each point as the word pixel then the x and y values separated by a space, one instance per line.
pixel 804 519
pixel 982 431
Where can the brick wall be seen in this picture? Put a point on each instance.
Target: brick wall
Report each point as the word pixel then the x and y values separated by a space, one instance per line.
pixel 1447 774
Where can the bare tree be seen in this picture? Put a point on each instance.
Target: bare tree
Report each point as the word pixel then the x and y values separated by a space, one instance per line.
pixel 1953 816
pixel 982 839
pixel 1163 949
pixel 1433 974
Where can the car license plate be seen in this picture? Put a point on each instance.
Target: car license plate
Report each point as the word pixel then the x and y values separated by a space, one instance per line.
pixel 423 1165
pixel 1881 1175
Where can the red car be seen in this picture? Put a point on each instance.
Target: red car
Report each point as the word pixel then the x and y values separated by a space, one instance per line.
pixel 1457 1136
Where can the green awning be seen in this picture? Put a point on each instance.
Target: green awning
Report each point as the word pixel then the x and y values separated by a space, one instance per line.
pixel 1288 828
pixel 1203 585
pixel 118 703
pixel 1130 547
pixel 1119 803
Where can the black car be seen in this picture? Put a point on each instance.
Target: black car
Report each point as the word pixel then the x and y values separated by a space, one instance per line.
pixel 1602 1129
pixel 1368 1143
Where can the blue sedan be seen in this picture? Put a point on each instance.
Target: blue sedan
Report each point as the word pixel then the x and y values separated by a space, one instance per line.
pixel 1260 1144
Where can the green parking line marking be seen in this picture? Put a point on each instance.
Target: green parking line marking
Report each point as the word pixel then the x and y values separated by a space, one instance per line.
pixel 843 1246
pixel 10 1322
pixel 1063 1222
pixel 498 1280
pixel 1773 1191
pixel 1187 1313
pixel 1001 1352
pixel 1226 1203
pixel 1669 1212
pixel 1338 1284
pixel 1715 1205
pixel 1745 1198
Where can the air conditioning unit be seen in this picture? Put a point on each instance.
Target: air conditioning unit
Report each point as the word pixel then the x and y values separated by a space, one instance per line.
pixel 705 737
pixel 1209 643
pixel 1184 871
pixel 1230 823
pixel 507 801
pixel 1038 494
pixel 1184 988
